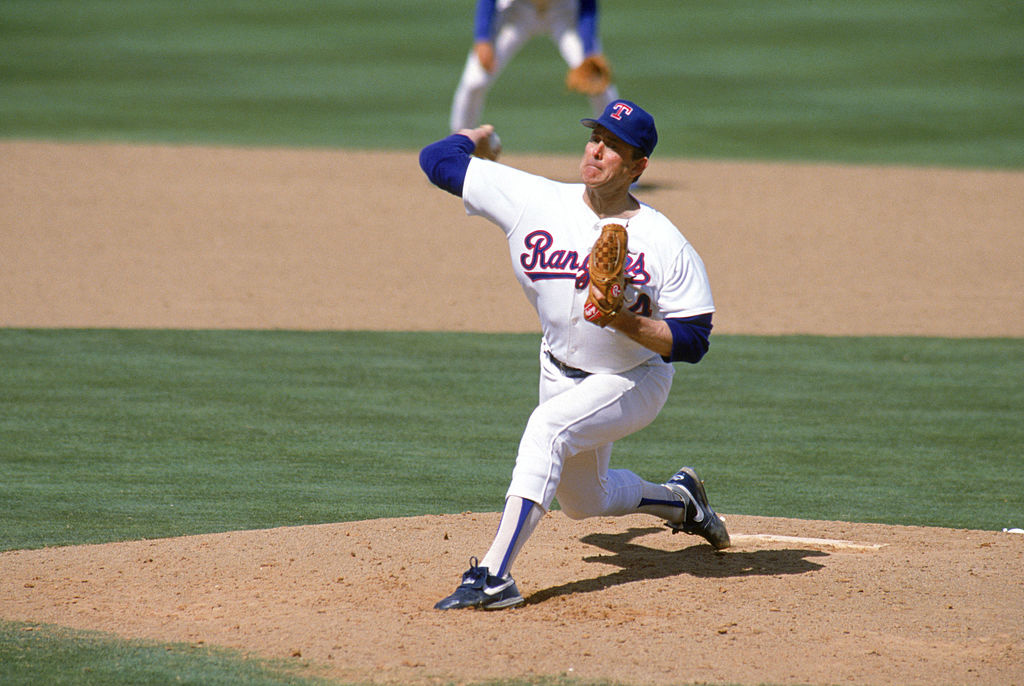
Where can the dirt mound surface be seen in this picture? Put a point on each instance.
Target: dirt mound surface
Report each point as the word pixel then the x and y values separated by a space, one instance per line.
pixel 618 598
pixel 186 237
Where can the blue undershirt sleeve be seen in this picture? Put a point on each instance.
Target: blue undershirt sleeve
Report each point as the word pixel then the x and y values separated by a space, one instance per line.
pixel 587 26
pixel 483 20
pixel 689 338
pixel 446 161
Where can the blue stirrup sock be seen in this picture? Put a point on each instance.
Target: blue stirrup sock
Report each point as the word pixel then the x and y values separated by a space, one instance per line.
pixel 518 520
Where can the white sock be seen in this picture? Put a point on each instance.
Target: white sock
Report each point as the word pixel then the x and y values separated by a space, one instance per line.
pixel 518 520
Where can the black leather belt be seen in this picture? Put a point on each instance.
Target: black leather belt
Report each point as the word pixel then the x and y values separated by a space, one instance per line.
pixel 571 372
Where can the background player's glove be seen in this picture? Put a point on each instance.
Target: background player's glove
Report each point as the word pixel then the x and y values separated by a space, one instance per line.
pixel 592 77
pixel 607 265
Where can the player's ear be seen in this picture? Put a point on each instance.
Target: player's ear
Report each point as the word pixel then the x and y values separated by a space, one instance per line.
pixel 639 165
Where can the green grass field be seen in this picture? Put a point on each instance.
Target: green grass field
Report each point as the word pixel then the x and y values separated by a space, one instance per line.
pixel 879 81
pixel 112 435
pixel 31 655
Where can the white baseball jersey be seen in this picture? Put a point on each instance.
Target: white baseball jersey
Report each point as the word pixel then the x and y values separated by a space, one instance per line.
pixel 550 231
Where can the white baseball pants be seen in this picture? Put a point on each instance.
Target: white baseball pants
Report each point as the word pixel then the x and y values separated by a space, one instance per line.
pixel 566 448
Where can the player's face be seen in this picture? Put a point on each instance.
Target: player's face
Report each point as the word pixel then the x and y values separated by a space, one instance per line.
pixel 608 160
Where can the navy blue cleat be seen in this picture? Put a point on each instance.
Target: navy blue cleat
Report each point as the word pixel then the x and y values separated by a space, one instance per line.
pixel 481 589
pixel 698 517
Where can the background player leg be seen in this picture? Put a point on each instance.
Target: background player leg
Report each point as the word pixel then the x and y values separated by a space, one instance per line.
pixel 599 102
pixel 468 102
pixel 516 27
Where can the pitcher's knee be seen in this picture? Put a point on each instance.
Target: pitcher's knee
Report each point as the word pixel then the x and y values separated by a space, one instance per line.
pixel 575 508
pixel 572 513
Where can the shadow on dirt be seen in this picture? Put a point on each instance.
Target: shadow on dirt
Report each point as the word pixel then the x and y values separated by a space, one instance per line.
pixel 638 562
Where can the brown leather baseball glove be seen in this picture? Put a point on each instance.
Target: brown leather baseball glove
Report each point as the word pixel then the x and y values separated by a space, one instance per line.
pixel 592 77
pixel 607 267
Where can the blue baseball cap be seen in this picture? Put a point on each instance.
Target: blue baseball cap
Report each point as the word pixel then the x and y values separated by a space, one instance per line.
pixel 630 122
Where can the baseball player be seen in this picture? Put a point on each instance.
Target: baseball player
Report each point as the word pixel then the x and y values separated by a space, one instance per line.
pixel 502 27
pixel 602 376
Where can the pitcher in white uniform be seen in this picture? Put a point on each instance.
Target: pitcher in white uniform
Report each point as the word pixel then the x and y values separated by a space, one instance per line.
pixel 597 384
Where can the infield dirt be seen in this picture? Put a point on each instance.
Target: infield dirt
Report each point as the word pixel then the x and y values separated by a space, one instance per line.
pixel 190 237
